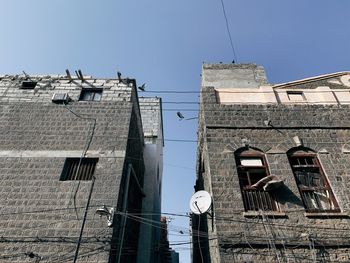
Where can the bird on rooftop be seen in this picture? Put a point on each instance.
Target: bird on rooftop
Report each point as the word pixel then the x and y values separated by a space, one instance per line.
pixel 179 114
pixel 119 76
pixel 142 87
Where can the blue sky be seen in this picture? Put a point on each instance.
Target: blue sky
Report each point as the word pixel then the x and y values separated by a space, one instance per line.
pixel 163 43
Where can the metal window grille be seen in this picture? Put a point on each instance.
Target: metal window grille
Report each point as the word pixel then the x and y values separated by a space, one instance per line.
pixel 74 169
pixel 252 167
pixel 314 188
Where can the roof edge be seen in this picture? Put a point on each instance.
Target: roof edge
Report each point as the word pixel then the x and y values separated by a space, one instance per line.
pixel 311 79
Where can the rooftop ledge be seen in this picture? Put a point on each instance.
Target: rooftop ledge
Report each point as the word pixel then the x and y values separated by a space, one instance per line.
pixel 266 213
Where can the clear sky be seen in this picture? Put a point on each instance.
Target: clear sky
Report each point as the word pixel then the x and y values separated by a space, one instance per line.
pixel 163 44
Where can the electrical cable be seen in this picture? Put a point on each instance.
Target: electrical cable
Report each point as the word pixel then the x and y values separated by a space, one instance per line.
pixel 83 154
pixel 228 30
pixel 294 226
pixel 198 229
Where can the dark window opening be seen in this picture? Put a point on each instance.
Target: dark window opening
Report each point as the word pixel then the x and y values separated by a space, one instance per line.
pixel 28 84
pixel 78 169
pixel 252 167
pixel 314 188
pixel 90 95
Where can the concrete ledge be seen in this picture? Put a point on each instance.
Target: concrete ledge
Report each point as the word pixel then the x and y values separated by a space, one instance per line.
pixel 60 154
pixel 325 215
pixel 266 213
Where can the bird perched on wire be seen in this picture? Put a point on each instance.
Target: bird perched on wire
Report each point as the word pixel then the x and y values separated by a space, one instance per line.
pixel 179 114
pixel 143 87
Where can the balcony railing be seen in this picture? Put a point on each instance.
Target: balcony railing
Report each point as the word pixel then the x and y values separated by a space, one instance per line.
pixel 318 199
pixel 256 200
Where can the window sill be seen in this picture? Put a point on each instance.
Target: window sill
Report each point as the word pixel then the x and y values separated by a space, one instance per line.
pixel 266 214
pixel 325 215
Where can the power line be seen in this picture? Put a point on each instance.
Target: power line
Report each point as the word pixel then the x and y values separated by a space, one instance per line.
pixel 228 30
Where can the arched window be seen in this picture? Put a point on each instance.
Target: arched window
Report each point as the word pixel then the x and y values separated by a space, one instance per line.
pixel 314 188
pixel 252 171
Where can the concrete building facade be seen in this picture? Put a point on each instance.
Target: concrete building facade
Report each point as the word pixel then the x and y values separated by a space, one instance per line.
pixel 151 114
pixel 73 169
pixel 275 159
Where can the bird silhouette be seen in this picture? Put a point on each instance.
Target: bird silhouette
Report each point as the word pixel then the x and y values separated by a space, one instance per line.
pixel 179 114
pixel 119 76
pixel 142 87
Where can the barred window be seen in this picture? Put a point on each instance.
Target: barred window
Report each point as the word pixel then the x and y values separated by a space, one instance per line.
pixel 314 188
pixel 252 169
pixel 78 169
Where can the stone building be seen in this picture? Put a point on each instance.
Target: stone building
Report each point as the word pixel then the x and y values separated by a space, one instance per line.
pixel 166 253
pixel 76 161
pixel 276 160
pixel 150 236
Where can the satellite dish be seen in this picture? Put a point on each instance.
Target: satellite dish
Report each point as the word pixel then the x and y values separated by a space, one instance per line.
pixel 200 202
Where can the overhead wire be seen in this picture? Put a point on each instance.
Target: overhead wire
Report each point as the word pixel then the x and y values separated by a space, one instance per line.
pixel 136 215
pixel 228 30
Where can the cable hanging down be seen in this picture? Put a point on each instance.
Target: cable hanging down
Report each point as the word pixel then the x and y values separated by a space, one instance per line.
pixel 228 32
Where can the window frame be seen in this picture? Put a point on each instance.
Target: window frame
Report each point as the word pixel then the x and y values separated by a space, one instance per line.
pixel 92 91
pixel 296 92
pixel 254 199
pixel 86 171
pixel 310 191
pixel 28 84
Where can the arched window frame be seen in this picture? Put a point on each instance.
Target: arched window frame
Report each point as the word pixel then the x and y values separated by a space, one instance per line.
pixel 252 166
pixel 313 185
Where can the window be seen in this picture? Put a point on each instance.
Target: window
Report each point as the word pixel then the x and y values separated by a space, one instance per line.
pixel 78 169
pixel 313 185
pixel 90 94
pixel 295 96
pixel 252 170
pixel 28 85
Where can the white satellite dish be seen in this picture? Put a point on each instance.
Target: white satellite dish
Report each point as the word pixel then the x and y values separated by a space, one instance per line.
pixel 200 202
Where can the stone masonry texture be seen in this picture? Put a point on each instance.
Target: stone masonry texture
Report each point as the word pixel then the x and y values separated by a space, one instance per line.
pixel 41 216
pixel 294 237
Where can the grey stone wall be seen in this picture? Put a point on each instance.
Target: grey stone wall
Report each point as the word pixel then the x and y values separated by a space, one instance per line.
pixel 47 85
pixel 151 109
pixel 41 216
pixel 295 237
pixel 151 113
pixel 229 75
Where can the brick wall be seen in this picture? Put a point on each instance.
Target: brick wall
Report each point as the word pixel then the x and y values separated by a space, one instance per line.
pixel 41 216
pixel 235 238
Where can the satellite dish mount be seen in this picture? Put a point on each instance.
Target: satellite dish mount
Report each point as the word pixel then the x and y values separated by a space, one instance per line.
pixel 201 203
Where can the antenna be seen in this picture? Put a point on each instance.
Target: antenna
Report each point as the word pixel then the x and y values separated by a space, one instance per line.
pixel 25 74
pixel 79 75
pixel 200 202
pixel 69 75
